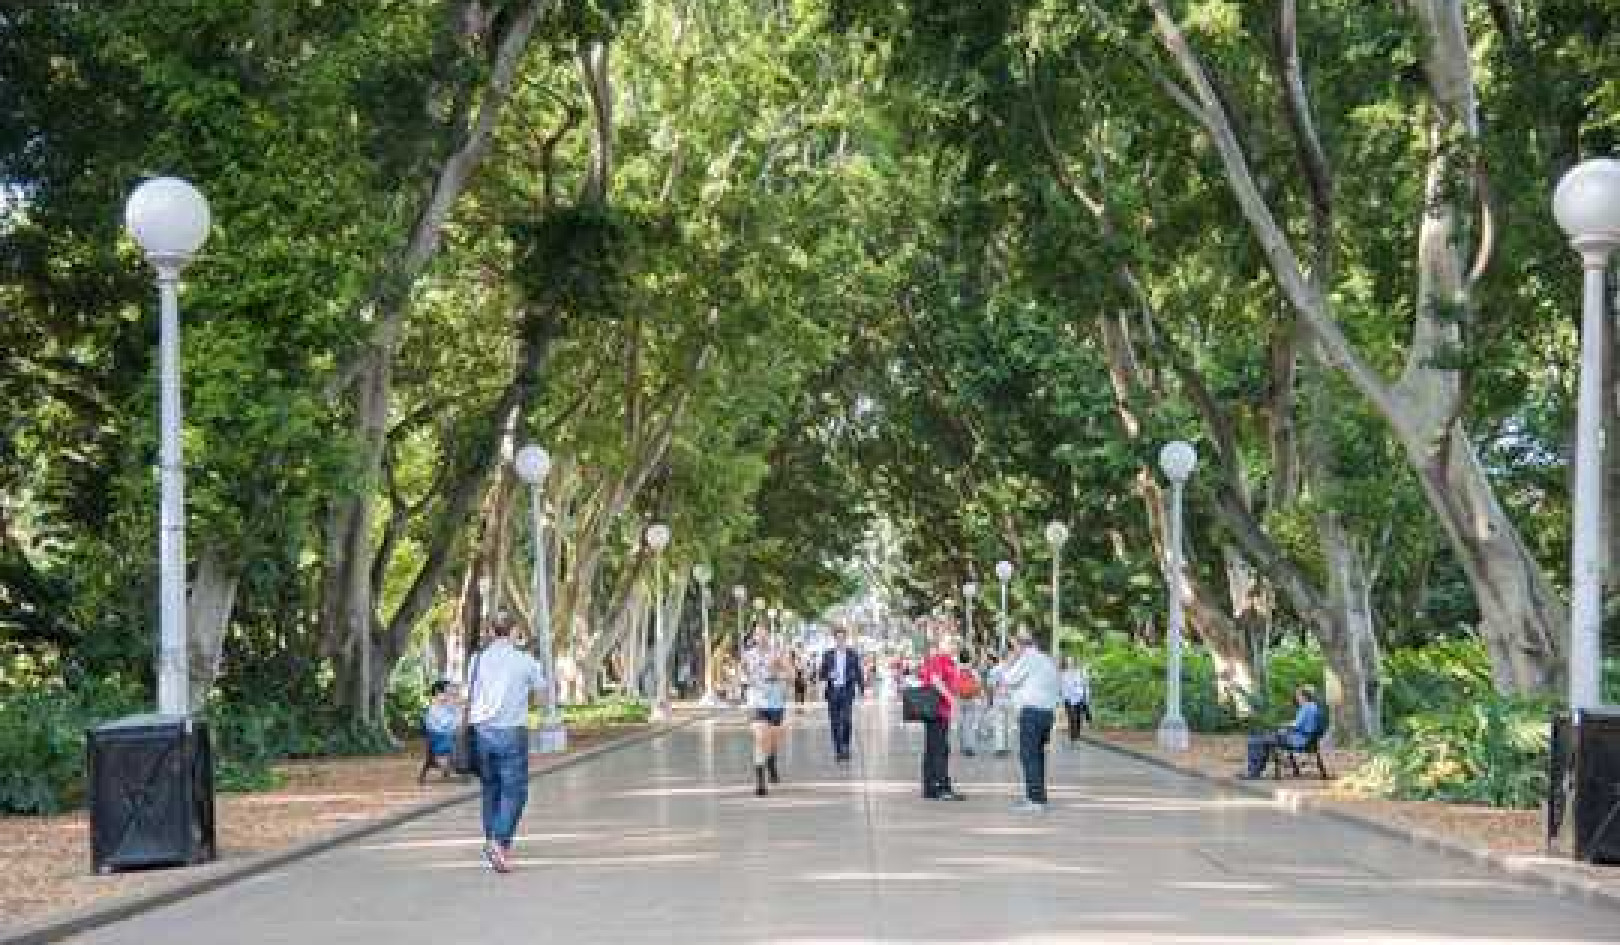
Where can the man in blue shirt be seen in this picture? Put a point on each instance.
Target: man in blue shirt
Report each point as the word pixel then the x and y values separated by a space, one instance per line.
pixel 1309 723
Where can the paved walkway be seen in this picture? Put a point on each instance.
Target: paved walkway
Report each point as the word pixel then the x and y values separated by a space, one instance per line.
pixel 664 842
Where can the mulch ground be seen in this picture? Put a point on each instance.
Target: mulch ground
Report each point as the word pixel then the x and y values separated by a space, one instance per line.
pixel 1518 834
pixel 47 859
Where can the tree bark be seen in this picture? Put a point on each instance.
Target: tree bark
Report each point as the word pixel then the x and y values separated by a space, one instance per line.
pixel 208 613
pixel 1350 648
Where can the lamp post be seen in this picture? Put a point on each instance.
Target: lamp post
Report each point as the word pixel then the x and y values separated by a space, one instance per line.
pixel 1587 206
pixel 739 594
pixel 657 540
pixel 169 219
pixel 970 590
pixel 703 574
pixel 1056 534
pixel 532 464
pixel 1177 460
pixel 1004 573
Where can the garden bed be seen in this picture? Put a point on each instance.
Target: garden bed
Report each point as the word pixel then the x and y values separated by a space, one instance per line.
pixel 48 858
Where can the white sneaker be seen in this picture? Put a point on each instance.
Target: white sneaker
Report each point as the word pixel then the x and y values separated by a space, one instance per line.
pixel 1027 807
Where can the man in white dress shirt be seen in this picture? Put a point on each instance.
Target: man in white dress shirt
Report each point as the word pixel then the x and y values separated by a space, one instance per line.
pixel 505 681
pixel 1032 683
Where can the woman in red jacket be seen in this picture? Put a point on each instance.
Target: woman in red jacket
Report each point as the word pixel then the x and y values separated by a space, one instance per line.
pixel 939 670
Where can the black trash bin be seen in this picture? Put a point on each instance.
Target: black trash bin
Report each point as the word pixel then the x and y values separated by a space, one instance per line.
pixel 1584 785
pixel 151 793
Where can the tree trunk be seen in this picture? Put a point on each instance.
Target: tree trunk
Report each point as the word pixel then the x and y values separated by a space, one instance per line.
pixel 351 557
pixel 1522 618
pixel 208 614
pixel 1240 670
pixel 674 607
pixel 1349 645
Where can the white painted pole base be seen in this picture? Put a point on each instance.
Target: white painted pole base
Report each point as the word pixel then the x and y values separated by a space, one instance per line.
pixel 551 737
pixel 1173 734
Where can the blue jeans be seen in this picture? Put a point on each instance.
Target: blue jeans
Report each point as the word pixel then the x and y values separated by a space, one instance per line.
pixel 503 769
pixel 1034 729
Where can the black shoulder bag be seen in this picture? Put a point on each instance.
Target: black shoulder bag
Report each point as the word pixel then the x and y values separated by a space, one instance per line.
pixel 464 756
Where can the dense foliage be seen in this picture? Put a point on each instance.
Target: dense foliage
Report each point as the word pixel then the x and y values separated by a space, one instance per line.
pixel 856 296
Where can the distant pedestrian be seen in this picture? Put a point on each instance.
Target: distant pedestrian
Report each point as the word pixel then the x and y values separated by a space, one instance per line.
pixel 998 709
pixel 971 705
pixel 1076 696
pixel 1034 688
pixel 505 682
pixel 801 679
pixel 767 671
pixel 843 674
pixel 939 671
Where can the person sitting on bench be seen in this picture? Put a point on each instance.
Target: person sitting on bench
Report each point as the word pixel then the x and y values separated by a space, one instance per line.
pixel 1306 727
pixel 439 727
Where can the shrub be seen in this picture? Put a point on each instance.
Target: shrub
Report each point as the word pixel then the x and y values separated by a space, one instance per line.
pixel 1492 752
pixel 607 712
pixel 1128 687
pixel 42 737
pixel 1437 677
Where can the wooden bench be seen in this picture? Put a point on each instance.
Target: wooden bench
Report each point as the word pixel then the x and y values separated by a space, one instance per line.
pixel 1311 749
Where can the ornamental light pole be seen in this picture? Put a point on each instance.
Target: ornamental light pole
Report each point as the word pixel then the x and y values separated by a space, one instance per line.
pixel 970 590
pixel 657 541
pixel 703 574
pixel 739 594
pixel 169 219
pixel 1056 534
pixel 1004 573
pixel 1177 460
pixel 1587 206
pixel 532 464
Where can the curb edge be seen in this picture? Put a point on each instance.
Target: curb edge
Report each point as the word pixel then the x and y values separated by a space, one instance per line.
pixel 1298 802
pixel 54 928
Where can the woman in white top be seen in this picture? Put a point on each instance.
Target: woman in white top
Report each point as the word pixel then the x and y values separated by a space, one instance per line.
pixel 1076 695
pixel 769 673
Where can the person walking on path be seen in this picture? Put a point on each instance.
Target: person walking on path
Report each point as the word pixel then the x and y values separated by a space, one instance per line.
pixel 998 714
pixel 1076 696
pixel 842 671
pixel 767 671
pixel 939 670
pixel 505 681
pixel 970 701
pixel 1034 688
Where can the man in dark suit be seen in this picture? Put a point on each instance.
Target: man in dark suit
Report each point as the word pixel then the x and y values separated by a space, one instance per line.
pixel 844 679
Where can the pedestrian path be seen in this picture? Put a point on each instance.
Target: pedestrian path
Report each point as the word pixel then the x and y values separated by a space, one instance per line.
pixel 665 842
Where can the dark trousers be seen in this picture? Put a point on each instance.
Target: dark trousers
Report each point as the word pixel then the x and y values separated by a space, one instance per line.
pixel 841 713
pixel 1263 743
pixel 1034 730
pixel 936 759
pixel 1078 712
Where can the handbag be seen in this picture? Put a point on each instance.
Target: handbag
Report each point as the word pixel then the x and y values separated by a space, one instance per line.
pixel 464 755
pixel 919 704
